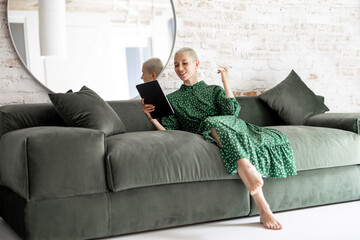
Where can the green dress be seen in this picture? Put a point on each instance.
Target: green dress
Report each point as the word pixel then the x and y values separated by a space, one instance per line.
pixel 201 107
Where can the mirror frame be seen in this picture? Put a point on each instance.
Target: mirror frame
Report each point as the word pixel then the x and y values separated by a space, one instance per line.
pixel 51 91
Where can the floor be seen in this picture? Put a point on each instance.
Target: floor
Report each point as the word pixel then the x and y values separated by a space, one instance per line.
pixel 337 221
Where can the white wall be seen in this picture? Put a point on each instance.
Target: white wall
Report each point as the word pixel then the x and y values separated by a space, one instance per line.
pixel 264 40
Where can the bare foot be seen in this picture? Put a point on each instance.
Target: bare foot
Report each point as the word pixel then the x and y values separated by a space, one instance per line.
pixel 267 218
pixel 250 176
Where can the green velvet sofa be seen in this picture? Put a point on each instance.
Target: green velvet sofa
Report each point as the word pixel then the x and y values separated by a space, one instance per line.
pixel 58 182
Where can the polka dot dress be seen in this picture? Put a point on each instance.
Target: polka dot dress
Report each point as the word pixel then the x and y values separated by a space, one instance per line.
pixel 201 108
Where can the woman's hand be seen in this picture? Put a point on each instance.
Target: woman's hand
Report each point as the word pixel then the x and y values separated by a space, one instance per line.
pixel 224 75
pixel 147 109
pixel 225 80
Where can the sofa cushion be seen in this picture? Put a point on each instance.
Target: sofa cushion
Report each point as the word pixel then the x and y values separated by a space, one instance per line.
pixel 88 110
pixel 131 114
pixel 19 116
pixel 293 100
pixel 256 111
pixel 318 147
pixel 150 158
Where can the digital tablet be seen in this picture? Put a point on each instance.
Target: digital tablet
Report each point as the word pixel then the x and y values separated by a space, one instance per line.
pixel 152 93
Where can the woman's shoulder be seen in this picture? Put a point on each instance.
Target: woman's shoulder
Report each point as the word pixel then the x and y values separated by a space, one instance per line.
pixel 210 86
pixel 216 88
pixel 211 89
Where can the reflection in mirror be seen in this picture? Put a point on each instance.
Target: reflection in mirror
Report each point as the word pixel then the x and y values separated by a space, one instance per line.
pixel 106 43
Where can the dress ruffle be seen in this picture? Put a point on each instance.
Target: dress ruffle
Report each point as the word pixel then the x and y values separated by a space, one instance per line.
pixel 267 149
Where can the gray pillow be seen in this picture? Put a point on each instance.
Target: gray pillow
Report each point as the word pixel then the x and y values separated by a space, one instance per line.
pixel 87 109
pixel 293 100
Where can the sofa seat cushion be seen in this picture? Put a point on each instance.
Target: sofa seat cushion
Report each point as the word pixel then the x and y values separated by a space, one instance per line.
pixel 318 147
pixel 149 158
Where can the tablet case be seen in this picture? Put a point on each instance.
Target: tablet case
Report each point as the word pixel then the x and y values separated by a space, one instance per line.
pixel 152 93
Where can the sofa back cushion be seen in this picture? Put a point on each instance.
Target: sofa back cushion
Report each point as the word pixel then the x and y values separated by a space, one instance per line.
pixel 131 114
pixel 253 110
pixel 19 116
pixel 256 111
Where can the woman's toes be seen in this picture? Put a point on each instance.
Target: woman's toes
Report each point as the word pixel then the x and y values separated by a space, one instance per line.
pixel 269 222
pixel 276 226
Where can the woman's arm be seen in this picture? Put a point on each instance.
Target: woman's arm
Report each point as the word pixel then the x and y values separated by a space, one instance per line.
pixel 225 80
pixel 157 125
pixel 147 109
pixel 226 101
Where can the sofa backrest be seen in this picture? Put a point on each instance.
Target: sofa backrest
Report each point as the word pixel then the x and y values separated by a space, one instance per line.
pixel 18 116
pixel 131 114
pixel 256 111
pixel 253 110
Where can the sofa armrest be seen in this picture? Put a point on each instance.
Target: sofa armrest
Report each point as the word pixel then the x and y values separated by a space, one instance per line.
pixel 50 162
pixel 344 121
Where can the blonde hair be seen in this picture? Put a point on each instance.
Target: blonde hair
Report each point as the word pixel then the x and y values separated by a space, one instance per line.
pixel 153 65
pixel 189 51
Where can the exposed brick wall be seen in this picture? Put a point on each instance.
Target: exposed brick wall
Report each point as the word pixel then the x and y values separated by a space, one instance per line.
pixel 261 41
pixel 16 84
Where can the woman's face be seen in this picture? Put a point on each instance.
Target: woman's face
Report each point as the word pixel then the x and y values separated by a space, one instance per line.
pixel 185 67
pixel 146 76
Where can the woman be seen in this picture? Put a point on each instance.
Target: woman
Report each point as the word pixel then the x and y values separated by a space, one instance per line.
pixel 151 69
pixel 250 151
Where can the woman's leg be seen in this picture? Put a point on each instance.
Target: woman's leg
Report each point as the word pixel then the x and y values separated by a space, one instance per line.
pixel 267 218
pixel 214 134
pixel 250 176
pixel 247 172
pixel 254 182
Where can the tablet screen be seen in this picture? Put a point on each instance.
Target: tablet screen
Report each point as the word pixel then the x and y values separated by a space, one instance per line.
pixel 152 93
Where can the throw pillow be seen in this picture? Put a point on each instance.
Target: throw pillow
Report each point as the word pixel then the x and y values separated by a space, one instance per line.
pixel 87 109
pixel 293 100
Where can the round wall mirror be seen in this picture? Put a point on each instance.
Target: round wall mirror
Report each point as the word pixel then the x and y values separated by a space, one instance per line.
pixel 100 44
